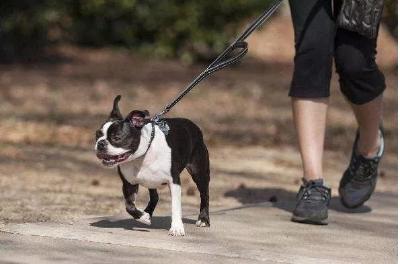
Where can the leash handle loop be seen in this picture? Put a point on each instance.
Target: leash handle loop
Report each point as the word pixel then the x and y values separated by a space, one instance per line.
pixel 228 57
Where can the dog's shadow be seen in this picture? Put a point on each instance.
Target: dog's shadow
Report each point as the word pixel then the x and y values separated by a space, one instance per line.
pixel 157 222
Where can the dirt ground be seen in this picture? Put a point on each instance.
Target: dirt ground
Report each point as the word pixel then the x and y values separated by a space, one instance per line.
pixel 50 110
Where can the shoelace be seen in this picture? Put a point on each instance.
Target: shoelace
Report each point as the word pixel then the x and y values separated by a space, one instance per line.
pixel 312 189
pixel 363 169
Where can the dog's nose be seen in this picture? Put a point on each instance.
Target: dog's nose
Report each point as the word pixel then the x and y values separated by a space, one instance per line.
pixel 101 145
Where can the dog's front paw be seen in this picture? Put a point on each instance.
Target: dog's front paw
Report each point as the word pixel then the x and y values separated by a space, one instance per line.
pixel 177 229
pixel 145 219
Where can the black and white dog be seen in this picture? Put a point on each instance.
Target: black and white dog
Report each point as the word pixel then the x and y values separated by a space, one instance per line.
pixel 145 156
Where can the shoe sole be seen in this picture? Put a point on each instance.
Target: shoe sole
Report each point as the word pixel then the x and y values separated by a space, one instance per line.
pixel 312 221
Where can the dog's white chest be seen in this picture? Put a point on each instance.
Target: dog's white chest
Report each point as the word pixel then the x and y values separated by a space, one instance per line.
pixel 152 170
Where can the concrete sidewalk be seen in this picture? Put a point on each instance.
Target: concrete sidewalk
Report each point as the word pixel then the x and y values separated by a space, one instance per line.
pixel 249 234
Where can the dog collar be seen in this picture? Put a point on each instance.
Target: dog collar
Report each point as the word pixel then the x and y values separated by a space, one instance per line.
pixel 153 132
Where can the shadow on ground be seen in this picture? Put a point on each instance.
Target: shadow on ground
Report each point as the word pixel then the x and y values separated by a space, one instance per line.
pixel 157 222
pixel 249 197
pixel 283 199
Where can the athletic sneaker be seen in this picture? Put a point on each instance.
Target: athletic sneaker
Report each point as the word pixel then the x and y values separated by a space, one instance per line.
pixel 359 180
pixel 312 203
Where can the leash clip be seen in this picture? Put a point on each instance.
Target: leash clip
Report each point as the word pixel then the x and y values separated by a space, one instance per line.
pixel 161 123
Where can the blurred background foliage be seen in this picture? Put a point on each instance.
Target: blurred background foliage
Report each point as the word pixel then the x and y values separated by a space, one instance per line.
pixel 188 29
pixel 390 16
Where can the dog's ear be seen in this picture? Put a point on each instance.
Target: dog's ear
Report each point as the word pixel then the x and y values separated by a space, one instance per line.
pixel 115 113
pixel 137 118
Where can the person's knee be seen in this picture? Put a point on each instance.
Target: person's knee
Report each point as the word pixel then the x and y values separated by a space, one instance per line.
pixel 350 63
pixel 360 79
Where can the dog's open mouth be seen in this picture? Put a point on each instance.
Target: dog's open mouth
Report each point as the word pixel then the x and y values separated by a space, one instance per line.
pixel 110 160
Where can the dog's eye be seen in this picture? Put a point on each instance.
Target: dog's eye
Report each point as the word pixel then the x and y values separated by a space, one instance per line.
pixel 99 133
pixel 117 138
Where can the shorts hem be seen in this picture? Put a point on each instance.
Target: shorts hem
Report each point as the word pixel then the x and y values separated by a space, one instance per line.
pixel 308 92
pixel 368 99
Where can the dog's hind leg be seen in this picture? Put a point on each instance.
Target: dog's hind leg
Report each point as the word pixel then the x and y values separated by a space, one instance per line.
pixel 130 191
pixel 199 169
pixel 152 202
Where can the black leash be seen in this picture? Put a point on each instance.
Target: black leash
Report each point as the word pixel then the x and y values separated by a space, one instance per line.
pixel 229 56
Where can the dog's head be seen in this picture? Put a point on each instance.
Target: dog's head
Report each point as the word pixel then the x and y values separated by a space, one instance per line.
pixel 119 138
